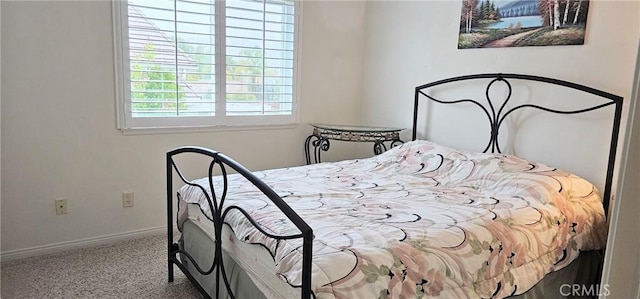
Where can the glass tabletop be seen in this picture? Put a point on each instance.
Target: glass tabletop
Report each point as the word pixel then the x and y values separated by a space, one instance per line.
pixel 352 128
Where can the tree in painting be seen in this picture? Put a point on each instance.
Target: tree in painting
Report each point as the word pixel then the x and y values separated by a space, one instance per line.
pixel 518 23
pixel 469 10
pixel 574 12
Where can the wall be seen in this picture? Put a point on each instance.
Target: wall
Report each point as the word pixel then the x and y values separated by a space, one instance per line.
pixel 622 271
pixel 410 43
pixel 0 125
pixel 414 42
pixel 59 137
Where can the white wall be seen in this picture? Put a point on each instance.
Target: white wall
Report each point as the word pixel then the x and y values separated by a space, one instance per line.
pixel 414 42
pixel 0 125
pixel 409 43
pixel 622 260
pixel 59 137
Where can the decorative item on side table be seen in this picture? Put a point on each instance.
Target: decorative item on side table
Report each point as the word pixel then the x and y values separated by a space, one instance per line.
pixel 323 133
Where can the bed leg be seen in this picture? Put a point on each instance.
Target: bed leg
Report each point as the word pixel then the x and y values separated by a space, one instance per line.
pixel 170 272
pixel 170 253
pixel 170 246
pixel 173 249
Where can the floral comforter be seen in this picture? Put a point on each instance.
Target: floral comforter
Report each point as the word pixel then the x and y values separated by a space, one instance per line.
pixel 422 220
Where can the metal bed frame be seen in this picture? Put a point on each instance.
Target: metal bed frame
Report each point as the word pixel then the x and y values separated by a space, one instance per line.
pixel 496 118
pixel 219 211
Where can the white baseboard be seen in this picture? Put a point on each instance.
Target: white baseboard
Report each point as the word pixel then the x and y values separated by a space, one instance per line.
pixel 81 243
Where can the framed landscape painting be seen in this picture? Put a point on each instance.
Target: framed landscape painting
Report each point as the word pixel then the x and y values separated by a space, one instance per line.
pixel 520 23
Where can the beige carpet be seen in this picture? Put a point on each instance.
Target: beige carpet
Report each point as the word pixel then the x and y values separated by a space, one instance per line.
pixel 128 269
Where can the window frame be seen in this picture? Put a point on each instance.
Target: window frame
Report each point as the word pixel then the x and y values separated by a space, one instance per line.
pixel 141 125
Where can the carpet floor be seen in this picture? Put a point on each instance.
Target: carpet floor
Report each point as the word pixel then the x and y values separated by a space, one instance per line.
pixel 127 269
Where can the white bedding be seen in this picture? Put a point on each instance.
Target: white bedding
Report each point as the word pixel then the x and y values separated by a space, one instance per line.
pixel 419 220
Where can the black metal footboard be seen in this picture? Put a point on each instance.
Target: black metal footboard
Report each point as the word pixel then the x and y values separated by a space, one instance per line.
pixel 219 211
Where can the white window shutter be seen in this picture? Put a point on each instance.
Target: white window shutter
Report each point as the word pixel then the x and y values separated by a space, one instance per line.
pixel 170 66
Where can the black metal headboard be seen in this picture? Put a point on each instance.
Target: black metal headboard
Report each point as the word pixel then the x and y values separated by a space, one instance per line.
pixel 496 118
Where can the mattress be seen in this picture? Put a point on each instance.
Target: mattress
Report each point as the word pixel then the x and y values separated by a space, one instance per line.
pixel 255 263
pixel 421 219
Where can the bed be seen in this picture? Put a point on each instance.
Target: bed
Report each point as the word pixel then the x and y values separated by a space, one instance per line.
pixel 420 220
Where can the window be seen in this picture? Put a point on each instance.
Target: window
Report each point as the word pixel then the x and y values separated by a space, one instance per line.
pixel 205 63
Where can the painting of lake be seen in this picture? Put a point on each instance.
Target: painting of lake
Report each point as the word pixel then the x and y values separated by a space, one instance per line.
pixel 525 22
pixel 520 23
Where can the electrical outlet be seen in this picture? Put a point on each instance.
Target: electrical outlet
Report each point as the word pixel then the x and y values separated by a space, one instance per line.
pixel 127 199
pixel 61 206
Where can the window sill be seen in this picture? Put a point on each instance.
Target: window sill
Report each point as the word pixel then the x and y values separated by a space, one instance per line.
pixel 204 129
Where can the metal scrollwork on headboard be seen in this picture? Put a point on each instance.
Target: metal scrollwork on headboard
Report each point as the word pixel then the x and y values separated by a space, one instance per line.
pixel 496 118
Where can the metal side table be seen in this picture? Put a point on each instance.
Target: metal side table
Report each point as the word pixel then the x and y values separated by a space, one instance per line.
pixel 322 133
